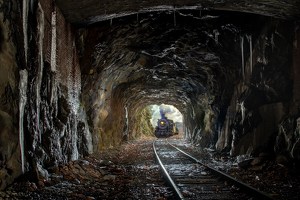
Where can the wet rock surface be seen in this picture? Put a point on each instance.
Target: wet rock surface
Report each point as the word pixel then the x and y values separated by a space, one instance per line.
pixel 130 172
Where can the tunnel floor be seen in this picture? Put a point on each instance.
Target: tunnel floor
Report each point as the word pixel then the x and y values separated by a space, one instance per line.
pixel 130 172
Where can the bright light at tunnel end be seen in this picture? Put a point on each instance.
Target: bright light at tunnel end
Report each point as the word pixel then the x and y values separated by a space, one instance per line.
pixel 171 113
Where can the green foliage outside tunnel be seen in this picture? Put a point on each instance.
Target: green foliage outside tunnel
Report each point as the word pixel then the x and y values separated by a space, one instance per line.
pixel 143 124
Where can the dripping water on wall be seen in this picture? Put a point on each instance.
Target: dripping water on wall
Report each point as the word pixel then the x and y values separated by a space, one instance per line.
pixel 22 103
pixel 41 24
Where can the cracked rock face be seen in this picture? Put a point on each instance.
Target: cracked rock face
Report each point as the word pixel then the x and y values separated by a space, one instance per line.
pixel 135 64
pixel 219 70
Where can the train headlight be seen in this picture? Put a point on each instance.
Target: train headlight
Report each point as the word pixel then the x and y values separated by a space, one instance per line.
pixel 162 124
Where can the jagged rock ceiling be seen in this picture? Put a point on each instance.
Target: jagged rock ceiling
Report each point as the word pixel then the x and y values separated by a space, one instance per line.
pixel 191 58
pixel 192 62
pixel 90 11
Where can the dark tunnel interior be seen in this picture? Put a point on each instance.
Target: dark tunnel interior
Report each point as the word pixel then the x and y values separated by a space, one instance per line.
pixel 79 77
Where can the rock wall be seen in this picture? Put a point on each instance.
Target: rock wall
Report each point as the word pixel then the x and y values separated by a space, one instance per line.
pixel 287 138
pixel 55 125
pixel 135 64
pixel 261 100
pixel 143 126
pixel 199 122
pixel 230 77
pixel 43 122
pixel 10 159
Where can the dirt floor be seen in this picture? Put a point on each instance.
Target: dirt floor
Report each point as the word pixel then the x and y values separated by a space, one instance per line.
pixel 125 172
pixel 130 172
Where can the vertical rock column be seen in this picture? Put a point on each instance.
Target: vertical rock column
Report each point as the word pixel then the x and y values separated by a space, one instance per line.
pixel 260 101
pixel 55 127
pixel 294 109
pixel 10 158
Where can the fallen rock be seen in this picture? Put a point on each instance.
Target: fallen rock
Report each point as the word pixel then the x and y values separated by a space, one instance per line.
pixel 257 168
pixel 107 163
pixel 256 161
pixel 89 198
pixel 109 177
pixel 54 169
pixel 41 184
pixel 94 173
pixel 42 174
pixel 81 171
pixel 245 163
pixel 282 159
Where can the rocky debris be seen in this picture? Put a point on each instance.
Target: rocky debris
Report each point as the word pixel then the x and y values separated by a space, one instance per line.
pixel 287 145
pixel 263 173
pixel 105 175
pixel 245 163
pixel 276 180
pixel 130 172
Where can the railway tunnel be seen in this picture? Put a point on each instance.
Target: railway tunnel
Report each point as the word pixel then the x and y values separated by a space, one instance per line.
pixel 74 75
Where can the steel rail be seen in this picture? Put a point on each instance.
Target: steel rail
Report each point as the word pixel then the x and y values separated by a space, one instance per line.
pixel 242 185
pixel 170 180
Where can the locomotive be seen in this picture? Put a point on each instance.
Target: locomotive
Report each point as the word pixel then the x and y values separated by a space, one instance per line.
pixel 165 127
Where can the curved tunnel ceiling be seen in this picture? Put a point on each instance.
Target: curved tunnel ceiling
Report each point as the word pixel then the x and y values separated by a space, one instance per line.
pixel 193 63
pixel 87 12
pixel 191 59
pixel 177 58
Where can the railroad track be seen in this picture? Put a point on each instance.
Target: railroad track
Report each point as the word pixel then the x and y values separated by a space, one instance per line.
pixel 191 179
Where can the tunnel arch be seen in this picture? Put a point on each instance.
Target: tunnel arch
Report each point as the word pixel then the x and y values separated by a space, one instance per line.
pixel 178 64
pixel 88 11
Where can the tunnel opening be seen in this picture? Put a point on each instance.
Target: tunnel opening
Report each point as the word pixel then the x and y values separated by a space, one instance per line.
pixel 176 63
pixel 167 120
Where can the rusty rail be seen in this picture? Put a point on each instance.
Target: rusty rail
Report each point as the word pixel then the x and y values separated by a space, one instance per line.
pixel 169 179
pixel 245 187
